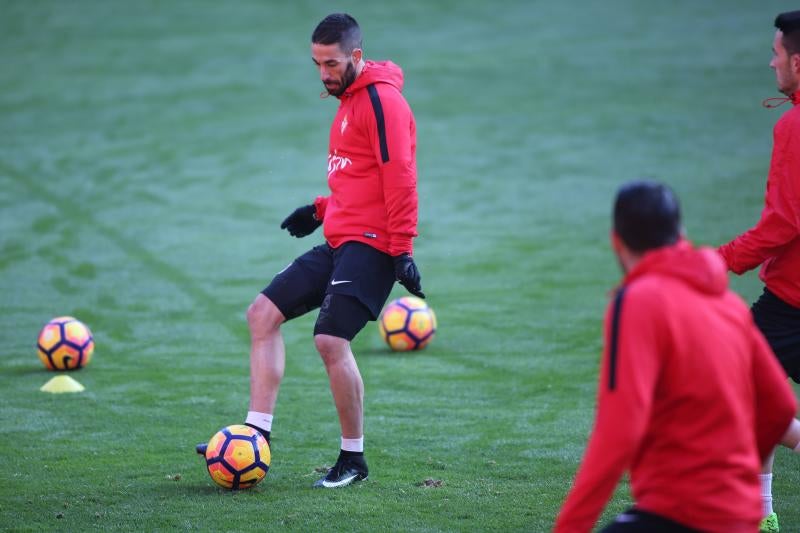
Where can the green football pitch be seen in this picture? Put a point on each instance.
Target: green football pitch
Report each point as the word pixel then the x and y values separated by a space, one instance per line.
pixel 149 151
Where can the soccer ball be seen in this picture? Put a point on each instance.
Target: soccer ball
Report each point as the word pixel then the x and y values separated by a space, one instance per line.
pixel 237 457
pixel 65 343
pixel 407 323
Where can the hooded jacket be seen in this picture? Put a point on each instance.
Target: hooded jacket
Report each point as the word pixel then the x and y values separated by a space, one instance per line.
pixel 372 169
pixel 690 399
pixel 774 242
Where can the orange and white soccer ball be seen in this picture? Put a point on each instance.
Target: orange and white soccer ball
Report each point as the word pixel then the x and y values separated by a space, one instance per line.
pixel 65 343
pixel 407 323
pixel 237 457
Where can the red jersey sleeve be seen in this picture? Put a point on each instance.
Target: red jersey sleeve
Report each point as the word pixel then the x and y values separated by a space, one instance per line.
pixel 628 376
pixel 320 204
pixel 775 401
pixel 780 219
pixel 393 133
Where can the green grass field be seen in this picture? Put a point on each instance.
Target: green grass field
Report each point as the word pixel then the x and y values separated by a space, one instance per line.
pixel 149 151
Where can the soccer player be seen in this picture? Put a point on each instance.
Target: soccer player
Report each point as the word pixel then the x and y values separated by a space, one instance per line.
pixel 690 398
pixel 369 220
pixel 774 242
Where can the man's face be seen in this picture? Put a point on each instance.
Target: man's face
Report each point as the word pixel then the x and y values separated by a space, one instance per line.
pixel 336 69
pixel 782 63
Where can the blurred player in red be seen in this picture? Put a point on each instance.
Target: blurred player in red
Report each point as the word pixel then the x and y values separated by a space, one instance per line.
pixel 690 398
pixel 774 242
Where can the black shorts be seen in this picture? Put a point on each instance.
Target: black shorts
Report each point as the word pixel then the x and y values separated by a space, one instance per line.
pixel 637 521
pixel 350 284
pixel 779 322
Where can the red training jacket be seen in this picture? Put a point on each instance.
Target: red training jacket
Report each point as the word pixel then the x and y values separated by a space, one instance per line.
pixel 774 241
pixel 690 399
pixel 372 165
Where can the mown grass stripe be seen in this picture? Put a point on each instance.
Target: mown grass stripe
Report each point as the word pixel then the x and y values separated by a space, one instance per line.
pixel 160 268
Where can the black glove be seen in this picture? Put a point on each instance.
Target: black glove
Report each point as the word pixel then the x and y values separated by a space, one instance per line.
pixel 407 274
pixel 302 222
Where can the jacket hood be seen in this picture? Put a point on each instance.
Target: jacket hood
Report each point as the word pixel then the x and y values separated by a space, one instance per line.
pixel 701 268
pixel 377 72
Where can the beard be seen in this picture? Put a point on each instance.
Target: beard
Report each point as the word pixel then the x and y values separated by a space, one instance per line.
pixel 349 76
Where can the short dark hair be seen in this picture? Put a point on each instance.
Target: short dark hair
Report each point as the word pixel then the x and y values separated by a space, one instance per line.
pixel 647 215
pixel 789 24
pixel 338 28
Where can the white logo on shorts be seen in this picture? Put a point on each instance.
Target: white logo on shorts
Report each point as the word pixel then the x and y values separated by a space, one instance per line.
pixel 626 518
pixel 339 282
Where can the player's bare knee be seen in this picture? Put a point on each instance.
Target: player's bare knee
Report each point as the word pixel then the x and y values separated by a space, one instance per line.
pixel 326 344
pixel 331 349
pixel 263 317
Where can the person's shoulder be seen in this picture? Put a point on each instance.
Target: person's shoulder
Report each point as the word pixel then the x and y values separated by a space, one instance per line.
pixel 384 96
pixel 647 285
pixel 389 92
pixel 789 122
pixel 649 291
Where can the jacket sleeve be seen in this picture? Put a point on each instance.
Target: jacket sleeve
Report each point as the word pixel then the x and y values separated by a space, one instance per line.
pixel 775 401
pixel 320 204
pixel 628 376
pixel 393 135
pixel 780 219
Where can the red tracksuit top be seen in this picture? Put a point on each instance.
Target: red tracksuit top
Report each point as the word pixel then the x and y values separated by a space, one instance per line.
pixel 690 399
pixel 372 168
pixel 774 241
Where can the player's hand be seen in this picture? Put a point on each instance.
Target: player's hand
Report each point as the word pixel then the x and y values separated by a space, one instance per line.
pixel 408 275
pixel 303 221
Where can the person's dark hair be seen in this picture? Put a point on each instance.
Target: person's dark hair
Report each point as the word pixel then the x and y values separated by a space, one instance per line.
pixel 338 28
pixel 789 24
pixel 647 215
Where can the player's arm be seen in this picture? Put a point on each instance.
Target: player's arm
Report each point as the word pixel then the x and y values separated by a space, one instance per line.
pixel 391 130
pixel 780 219
pixel 774 399
pixel 628 376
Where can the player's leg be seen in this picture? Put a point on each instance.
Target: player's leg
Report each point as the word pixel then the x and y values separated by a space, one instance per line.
pixel 769 519
pixel 340 319
pixel 361 282
pixel 791 440
pixel 780 324
pixel 295 290
pixel 347 386
pixel 267 362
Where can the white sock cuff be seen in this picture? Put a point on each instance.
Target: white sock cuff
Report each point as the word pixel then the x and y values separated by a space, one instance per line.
pixel 259 420
pixel 353 445
pixel 766 494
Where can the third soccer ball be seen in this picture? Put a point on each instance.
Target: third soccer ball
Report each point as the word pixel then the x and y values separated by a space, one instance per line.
pixel 407 323
pixel 237 457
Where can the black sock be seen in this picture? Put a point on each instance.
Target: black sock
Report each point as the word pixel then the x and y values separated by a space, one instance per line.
pixel 266 434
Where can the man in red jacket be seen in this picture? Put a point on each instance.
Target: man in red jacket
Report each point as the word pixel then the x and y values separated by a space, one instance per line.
pixel 369 220
pixel 774 242
pixel 690 398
